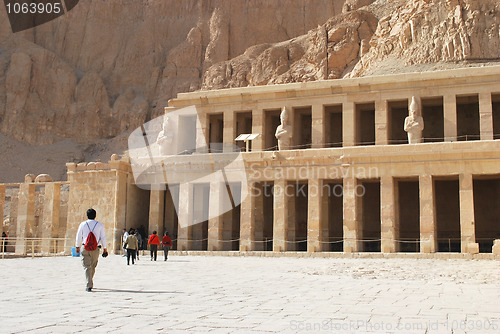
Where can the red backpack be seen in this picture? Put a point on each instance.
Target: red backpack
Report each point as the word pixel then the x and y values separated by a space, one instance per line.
pixel 91 242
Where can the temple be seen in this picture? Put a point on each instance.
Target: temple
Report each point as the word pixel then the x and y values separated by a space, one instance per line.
pixel 347 181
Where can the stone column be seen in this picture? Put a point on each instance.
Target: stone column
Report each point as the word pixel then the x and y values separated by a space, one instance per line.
pixel 216 211
pixel 318 126
pixel 201 207
pixel 50 222
pixel 258 193
pixel 348 124
pixel 291 199
pixel 229 131
pixel 248 215
pixel 156 213
pixel 2 204
pixel 381 123
pixel 389 230
pixel 25 216
pixel 120 209
pixel 467 225
pixel 450 117
pixel 202 140
pixel 170 210
pixel 185 216
pixel 428 227
pixel 258 127
pixel 315 219
pixel 486 116
pixel 280 224
pixel 352 212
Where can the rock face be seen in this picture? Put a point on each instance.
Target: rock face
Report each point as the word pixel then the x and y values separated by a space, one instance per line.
pixel 427 31
pixel 323 53
pixel 108 65
pixel 366 35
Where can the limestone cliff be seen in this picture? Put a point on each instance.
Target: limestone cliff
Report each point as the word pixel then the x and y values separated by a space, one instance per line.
pixel 371 37
pixel 107 66
pixel 432 31
pixel 323 53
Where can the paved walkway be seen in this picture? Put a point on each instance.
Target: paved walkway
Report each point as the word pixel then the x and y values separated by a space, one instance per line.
pixel 197 294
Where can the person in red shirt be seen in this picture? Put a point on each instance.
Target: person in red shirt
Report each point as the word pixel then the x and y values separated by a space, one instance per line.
pixel 167 243
pixel 153 242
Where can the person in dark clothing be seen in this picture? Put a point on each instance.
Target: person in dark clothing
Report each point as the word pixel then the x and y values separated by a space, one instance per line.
pixel 4 241
pixel 166 243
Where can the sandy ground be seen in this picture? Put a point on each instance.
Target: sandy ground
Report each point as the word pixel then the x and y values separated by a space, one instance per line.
pixel 18 159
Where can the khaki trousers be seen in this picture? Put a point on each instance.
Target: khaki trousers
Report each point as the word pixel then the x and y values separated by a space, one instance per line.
pixel 89 261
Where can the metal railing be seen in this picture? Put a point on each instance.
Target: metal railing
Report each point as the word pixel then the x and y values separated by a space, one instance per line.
pixel 34 247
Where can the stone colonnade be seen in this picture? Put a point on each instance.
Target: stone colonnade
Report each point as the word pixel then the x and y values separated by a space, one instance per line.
pixel 456 100
pixel 387 166
pixel 33 218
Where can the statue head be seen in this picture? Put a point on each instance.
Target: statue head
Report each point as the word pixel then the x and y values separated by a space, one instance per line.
pixel 414 108
pixel 284 116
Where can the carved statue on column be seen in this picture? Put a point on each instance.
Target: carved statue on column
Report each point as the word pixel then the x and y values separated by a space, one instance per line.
pixel 414 123
pixel 284 131
pixel 165 137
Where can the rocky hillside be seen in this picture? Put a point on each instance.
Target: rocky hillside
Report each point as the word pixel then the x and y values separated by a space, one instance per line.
pixel 372 37
pixel 109 65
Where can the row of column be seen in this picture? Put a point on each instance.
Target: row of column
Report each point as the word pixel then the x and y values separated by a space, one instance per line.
pixel 25 220
pixel 251 223
pixel 349 122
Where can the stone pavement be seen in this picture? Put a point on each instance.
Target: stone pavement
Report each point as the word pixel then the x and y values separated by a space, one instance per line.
pixel 198 294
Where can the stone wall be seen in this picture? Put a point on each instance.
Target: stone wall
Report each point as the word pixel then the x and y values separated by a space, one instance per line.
pixel 103 187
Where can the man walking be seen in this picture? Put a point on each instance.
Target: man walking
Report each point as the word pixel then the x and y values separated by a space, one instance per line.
pixel 90 257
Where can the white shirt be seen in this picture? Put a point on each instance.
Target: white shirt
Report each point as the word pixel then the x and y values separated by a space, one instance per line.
pixel 83 232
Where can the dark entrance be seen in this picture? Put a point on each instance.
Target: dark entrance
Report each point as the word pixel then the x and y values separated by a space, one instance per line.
pixel 487 211
pixel 370 224
pixel 447 204
pixel 408 215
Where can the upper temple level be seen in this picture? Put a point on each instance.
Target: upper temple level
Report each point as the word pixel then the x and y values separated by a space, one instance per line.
pixel 456 105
